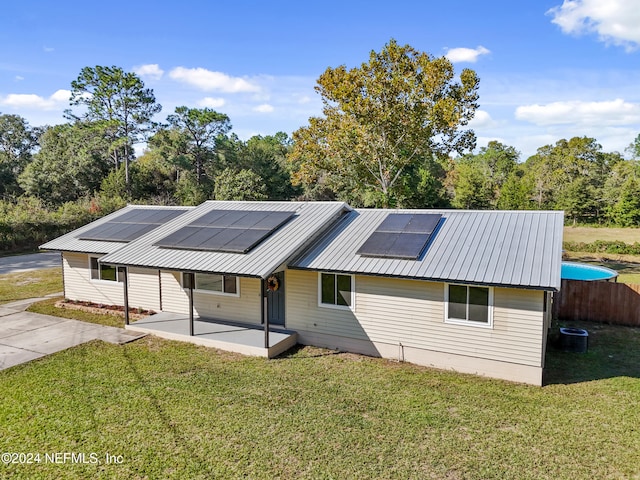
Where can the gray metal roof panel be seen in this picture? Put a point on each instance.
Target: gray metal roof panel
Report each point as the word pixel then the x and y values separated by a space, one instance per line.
pixel 510 248
pixel 310 220
pixel 70 243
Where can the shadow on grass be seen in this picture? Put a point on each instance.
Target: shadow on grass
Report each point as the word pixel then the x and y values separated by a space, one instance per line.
pixel 302 351
pixel 614 351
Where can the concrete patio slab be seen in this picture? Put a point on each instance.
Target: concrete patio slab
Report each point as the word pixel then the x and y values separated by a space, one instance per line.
pixel 232 337
pixel 25 336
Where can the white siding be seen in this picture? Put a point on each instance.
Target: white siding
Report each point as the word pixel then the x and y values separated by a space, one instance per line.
pixel 144 288
pixel 245 308
pixel 411 312
pixel 174 298
pixel 78 284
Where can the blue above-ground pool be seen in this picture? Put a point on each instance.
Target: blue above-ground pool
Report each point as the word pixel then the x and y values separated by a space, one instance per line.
pixel 583 271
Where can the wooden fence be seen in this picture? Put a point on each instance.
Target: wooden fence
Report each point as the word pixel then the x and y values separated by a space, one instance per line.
pixel 608 302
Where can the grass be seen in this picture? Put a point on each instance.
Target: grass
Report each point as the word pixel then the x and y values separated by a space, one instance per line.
pixel 175 410
pixel 37 283
pixel 47 307
pixel 591 234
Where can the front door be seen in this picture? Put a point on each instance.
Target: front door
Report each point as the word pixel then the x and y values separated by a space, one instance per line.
pixel 275 299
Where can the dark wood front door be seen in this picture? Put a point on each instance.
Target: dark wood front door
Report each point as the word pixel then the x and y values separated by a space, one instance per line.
pixel 275 302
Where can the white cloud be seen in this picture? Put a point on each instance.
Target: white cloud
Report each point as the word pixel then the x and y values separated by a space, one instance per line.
pixel 456 55
pixel 616 22
pixel 36 102
pixel 213 81
pixel 18 78
pixel 211 102
pixel 481 119
pixel 614 112
pixel 151 70
pixel 47 49
pixel 264 108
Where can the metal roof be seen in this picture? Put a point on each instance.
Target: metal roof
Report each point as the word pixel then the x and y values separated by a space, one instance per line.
pixel 70 242
pixel 501 248
pixel 310 220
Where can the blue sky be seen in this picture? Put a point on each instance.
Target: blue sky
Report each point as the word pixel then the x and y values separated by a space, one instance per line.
pixel 549 69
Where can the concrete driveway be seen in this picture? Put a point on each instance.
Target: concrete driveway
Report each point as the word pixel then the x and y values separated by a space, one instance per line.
pixel 32 261
pixel 25 336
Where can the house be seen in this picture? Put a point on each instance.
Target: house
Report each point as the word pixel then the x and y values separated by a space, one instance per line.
pixel 85 279
pixel 462 290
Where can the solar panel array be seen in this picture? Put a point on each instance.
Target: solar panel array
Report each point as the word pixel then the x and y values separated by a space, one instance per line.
pixel 401 235
pixel 230 231
pixel 130 225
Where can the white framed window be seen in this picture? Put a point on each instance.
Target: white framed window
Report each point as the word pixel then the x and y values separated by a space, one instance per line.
pixel 216 284
pixel 468 305
pixel 101 272
pixel 335 290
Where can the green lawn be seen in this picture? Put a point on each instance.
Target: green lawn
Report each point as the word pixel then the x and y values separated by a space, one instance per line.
pixel 174 410
pixel 47 307
pixel 37 283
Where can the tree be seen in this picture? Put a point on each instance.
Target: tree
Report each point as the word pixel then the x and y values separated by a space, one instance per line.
pixel 72 161
pixel 478 178
pixel 555 169
pixel 626 211
pixel 190 143
pixel 516 191
pixel 266 156
pixel 472 186
pixel 399 109
pixel 17 142
pixel 239 185
pixel 118 102
pixel 634 148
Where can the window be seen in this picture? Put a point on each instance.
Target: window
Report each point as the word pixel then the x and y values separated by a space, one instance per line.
pixel 220 284
pixel 336 290
pixel 469 305
pixel 100 271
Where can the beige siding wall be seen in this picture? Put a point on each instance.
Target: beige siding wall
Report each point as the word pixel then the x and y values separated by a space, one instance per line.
pixel 144 288
pixel 245 308
pixel 78 284
pixel 411 313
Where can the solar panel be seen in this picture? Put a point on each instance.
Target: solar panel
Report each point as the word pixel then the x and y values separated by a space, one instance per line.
pixel 229 231
pixel 130 225
pixel 401 235
pixel 395 222
pixel 208 218
pixel 246 240
pixel 138 232
pixel 177 237
pixel 274 220
pixel 377 245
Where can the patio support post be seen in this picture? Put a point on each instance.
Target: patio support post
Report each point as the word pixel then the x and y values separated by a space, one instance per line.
pixel 264 314
pixel 125 280
pixel 190 280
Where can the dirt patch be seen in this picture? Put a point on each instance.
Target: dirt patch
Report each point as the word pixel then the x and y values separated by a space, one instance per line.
pixel 101 309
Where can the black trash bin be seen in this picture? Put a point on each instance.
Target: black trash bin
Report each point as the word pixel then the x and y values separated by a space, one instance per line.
pixel 574 340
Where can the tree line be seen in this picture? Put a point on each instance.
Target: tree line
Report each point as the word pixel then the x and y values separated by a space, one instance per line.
pixel 393 133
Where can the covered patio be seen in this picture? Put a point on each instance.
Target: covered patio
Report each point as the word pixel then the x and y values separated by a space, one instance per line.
pixel 228 336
